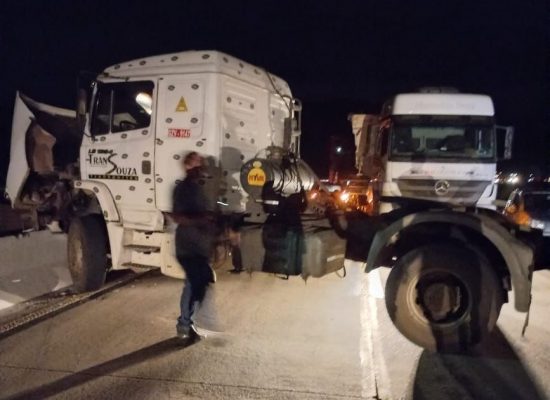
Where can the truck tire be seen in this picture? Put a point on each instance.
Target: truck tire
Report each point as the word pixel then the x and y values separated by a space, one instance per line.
pixel 444 297
pixel 87 252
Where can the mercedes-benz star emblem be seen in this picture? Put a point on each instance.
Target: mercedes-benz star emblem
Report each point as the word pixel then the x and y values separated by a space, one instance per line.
pixel 441 188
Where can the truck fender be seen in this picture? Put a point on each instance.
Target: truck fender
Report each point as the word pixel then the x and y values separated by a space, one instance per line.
pixel 516 254
pixel 104 197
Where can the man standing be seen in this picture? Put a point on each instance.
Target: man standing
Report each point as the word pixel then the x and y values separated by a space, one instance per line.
pixel 195 236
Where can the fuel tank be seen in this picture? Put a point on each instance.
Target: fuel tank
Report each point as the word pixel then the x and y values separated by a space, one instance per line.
pixel 284 175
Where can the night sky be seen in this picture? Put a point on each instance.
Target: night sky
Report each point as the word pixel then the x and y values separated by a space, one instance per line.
pixel 338 57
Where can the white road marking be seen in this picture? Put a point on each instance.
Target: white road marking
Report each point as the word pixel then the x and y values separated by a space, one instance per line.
pixel 5 304
pixel 366 348
pixel 382 375
pixel 375 284
pixel 373 366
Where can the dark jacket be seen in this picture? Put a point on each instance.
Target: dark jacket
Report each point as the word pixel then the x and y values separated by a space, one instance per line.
pixel 195 238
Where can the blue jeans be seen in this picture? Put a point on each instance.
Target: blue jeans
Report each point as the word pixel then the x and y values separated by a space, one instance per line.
pixel 198 277
pixel 187 307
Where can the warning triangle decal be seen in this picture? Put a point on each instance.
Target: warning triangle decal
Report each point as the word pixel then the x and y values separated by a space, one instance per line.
pixel 181 107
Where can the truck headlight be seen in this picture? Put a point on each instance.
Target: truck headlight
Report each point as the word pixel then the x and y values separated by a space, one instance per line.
pixel 344 197
pixel 536 224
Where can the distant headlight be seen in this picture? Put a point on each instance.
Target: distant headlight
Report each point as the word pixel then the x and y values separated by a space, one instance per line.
pixel 344 197
pixel 537 224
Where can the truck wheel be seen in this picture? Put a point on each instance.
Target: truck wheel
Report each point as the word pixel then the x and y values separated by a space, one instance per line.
pixel 444 297
pixel 87 252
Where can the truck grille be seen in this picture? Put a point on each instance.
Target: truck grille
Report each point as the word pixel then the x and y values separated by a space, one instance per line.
pixel 445 190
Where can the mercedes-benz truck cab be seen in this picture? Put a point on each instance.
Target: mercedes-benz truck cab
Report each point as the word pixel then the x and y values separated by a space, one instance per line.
pixel 432 146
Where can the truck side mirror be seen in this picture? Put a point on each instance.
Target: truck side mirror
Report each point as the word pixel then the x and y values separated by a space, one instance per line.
pixel 81 108
pixel 293 127
pixel 86 85
pixel 297 111
pixel 287 132
pixel 505 141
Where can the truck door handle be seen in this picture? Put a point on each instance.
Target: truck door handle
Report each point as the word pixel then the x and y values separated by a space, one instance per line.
pixel 146 167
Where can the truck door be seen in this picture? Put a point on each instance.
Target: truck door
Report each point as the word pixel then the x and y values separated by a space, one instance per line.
pixel 120 151
pixel 182 125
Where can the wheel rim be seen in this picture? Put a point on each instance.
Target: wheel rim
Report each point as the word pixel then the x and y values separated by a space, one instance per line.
pixel 439 298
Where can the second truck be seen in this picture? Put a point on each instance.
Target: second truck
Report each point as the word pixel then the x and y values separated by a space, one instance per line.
pixel 424 201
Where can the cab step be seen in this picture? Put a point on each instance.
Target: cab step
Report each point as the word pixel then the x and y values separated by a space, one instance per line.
pixel 142 248
pixel 140 266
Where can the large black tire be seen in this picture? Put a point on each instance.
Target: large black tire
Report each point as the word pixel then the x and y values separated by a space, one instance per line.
pixel 87 252
pixel 444 297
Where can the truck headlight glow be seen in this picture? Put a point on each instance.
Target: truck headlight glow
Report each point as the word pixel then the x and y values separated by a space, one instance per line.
pixel 344 197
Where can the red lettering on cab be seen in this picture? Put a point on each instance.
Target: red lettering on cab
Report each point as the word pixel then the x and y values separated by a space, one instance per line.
pixel 179 133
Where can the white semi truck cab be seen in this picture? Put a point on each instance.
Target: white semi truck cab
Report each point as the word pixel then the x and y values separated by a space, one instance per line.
pixel 422 205
pixel 106 173
pixel 430 145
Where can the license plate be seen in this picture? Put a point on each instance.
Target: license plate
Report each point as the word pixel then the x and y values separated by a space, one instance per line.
pixel 546 231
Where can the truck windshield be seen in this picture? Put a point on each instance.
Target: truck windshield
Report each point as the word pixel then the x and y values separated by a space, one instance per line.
pixel 442 138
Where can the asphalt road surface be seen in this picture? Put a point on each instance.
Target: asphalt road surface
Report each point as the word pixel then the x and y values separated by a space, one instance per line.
pixel 32 265
pixel 329 338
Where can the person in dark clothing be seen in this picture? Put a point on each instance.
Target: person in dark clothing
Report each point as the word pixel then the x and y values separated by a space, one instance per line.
pixel 195 237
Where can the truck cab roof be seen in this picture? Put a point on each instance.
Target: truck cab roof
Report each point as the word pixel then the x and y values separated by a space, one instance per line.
pixel 439 104
pixel 197 61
